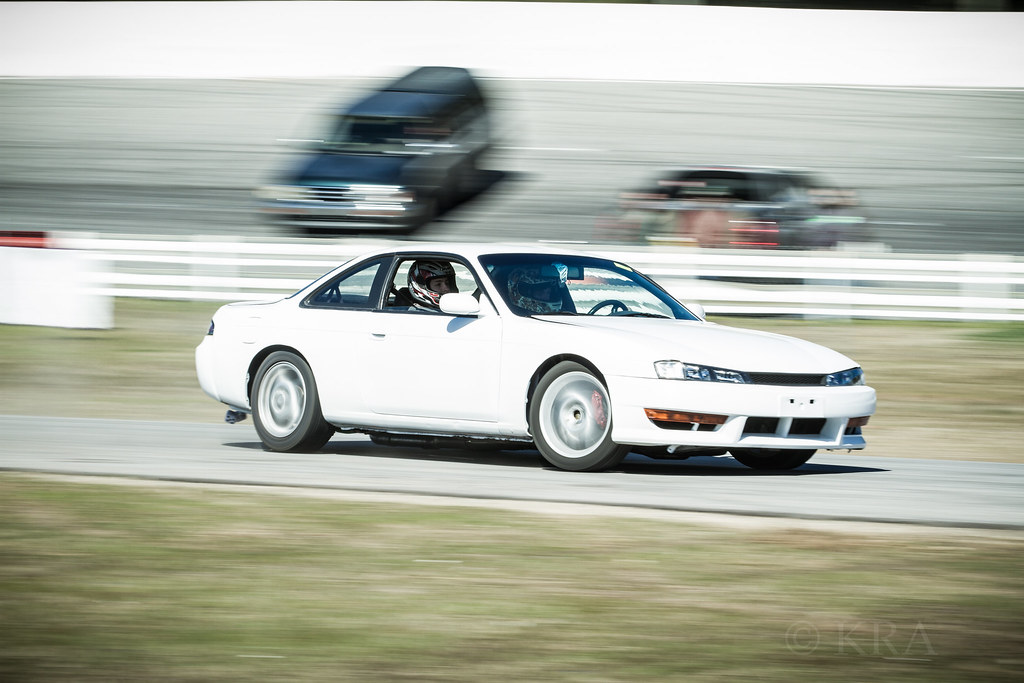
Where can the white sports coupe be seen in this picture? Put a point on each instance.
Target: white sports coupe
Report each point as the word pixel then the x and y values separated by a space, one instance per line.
pixel 581 357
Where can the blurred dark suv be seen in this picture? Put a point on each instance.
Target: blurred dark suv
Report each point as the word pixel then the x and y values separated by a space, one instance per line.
pixel 391 161
pixel 738 207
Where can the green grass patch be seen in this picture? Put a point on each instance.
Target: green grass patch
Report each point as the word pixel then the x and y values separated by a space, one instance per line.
pixel 1012 333
pixel 143 368
pixel 103 582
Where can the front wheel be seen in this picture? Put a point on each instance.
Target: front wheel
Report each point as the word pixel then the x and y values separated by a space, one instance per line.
pixel 772 458
pixel 285 405
pixel 571 420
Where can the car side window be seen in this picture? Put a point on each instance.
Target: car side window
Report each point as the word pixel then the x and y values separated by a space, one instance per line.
pixel 354 289
pixel 399 298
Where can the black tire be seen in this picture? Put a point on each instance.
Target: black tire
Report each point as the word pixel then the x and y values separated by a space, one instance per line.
pixel 772 458
pixel 286 406
pixel 571 420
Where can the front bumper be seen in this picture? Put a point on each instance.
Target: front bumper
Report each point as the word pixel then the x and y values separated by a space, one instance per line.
pixel 206 366
pixel 756 416
pixel 351 215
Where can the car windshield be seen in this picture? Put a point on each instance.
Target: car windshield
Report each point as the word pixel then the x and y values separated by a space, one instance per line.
pixel 382 134
pixel 556 284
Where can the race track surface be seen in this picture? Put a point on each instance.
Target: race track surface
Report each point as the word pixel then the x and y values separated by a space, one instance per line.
pixel 840 486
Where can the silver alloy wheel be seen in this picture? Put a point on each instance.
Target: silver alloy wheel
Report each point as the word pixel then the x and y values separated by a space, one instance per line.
pixel 574 414
pixel 282 399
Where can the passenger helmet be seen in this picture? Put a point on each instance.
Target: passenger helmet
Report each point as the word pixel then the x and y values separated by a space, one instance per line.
pixel 420 275
pixel 535 290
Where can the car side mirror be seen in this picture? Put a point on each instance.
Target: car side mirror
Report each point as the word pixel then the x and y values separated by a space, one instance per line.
pixel 696 309
pixel 457 303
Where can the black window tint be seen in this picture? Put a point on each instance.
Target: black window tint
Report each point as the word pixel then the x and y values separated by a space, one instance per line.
pixel 352 289
pixel 715 184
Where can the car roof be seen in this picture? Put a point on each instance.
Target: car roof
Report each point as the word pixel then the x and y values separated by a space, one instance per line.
pixel 439 80
pixel 472 250
pixel 419 93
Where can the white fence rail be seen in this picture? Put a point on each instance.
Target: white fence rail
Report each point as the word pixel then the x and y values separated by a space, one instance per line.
pixel 845 284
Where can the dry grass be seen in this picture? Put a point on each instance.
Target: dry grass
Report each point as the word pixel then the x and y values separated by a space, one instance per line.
pixel 107 582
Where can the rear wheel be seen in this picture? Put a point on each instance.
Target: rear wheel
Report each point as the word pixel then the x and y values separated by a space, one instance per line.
pixel 772 458
pixel 571 420
pixel 285 405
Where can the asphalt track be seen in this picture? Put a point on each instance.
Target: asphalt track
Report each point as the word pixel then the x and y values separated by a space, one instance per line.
pixel 848 487
pixel 938 170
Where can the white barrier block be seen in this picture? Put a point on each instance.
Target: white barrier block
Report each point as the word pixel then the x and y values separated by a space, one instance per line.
pixel 52 288
pixel 975 288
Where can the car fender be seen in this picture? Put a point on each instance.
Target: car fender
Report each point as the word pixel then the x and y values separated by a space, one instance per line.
pixel 535 345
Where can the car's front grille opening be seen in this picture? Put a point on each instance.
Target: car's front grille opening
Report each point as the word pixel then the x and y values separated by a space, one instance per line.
pixel 854 424
pixel 807 426
pixel 331 194
pixel 761 425
pixel 677 426
pixel 800 426
pixel 685 426
pixel 786 379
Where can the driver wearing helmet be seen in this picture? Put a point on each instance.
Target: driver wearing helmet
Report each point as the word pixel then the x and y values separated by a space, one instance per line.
pixel 535 290
pixel 428 281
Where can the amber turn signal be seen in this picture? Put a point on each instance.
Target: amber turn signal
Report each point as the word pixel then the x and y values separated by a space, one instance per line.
pixel 674 416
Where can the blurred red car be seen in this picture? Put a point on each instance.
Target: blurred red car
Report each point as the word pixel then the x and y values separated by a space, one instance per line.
pixel 738 207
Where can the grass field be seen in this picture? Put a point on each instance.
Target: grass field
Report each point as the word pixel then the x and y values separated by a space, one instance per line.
pixel 946 390
pixel 171 583
pixel 157 583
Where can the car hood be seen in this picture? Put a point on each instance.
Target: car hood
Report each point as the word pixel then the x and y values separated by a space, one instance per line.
pixel 715 345
pixel 334 169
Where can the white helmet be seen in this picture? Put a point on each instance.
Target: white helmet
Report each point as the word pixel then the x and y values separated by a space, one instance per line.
pixel 420 275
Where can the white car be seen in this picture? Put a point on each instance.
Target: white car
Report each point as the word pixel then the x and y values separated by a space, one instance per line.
pixel 582 357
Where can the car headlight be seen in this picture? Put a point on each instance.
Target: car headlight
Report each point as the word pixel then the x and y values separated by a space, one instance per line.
pixel 282 193
pixel 674 369
pixel 846 378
